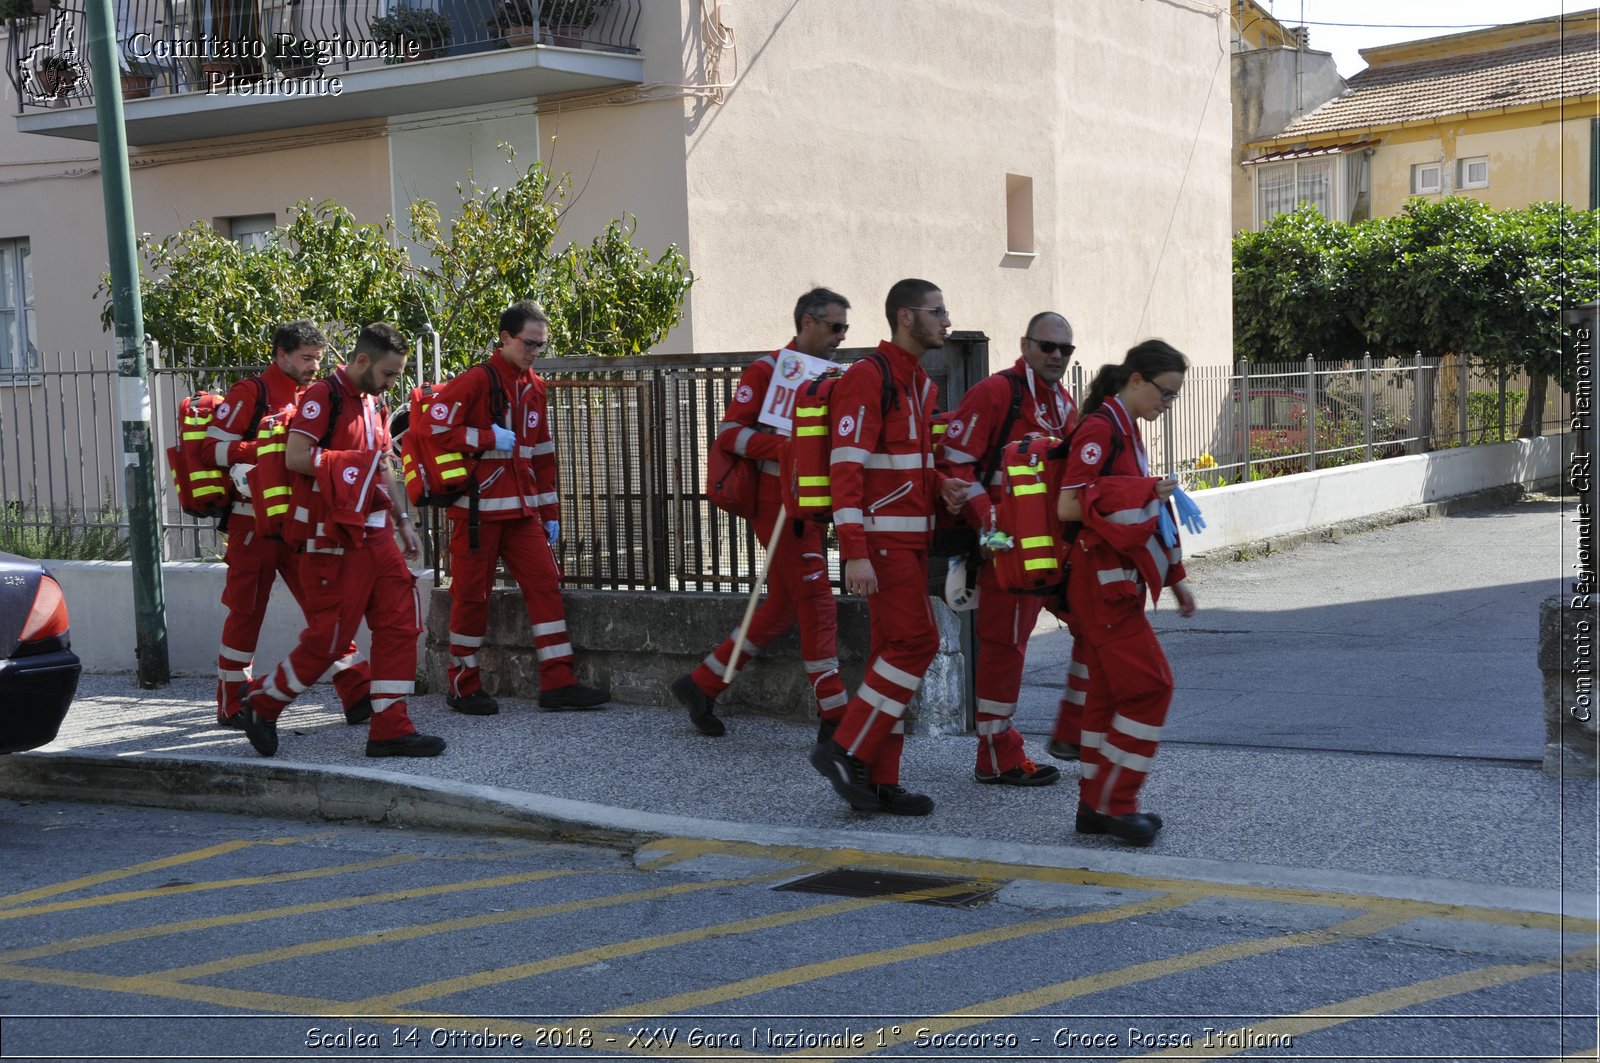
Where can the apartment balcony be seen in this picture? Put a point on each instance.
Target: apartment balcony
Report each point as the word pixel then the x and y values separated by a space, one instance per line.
pixel 196 69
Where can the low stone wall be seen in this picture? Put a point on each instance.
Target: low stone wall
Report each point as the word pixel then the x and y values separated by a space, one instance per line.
pixel 1567 647
pixel 637 642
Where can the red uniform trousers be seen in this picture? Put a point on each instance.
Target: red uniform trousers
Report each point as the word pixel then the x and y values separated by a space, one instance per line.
pixel 1069 713
pixel 1129 692
pixel 1005 621
pixel 368 582
pixel 798 590
pixel 521 541
pixel 904 641
pixel 254 561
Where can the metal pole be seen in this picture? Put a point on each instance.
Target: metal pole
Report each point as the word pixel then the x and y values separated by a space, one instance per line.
pixel 1311 413
pixel 1244 413
pixel 1463 365
pixel 1417 446
pixel 138 466
pixel 1366 403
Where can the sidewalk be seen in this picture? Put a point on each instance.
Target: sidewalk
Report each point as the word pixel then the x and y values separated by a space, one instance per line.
pixel 1358 716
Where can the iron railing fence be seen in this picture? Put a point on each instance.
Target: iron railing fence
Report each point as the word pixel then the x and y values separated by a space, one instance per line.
pixel 632 437
pixel 174 47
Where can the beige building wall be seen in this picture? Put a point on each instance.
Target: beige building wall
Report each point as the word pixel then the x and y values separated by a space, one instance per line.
pixel 861 146
pixel 1533 156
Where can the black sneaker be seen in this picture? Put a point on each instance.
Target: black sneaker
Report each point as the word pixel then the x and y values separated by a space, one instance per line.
pixel 476 703
pixel 576 696
pixel 262 732
pixel 847 774
pixel 902 802
pixel 234 722
pixel 1025 774
pixel 1062 750
pixel 1135 828
pixel 360 712
pixel 701 708
pixel 825 729
pixel 411 745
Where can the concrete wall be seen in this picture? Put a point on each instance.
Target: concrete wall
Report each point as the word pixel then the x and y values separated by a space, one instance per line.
pixel 1271 88
pixel 1244 513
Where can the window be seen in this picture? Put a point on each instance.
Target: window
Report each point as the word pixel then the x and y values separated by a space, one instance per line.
pixel 1282 187
pixel 1473 172
pixel 1426 178
pixel 251 229
pixel 1019 215
pixel 19 338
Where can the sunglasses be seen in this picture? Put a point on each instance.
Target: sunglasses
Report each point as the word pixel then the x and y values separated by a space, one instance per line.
pixel 532 345
pixel 838 328
pixel 1048 347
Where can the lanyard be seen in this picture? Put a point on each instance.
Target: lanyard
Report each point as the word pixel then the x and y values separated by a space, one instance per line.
pixel 1125 424
pixel 1060 423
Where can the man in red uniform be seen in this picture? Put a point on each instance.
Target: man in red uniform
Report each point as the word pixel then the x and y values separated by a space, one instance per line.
pixel 255 560
pixel 885 490
pixel 498 411
pixel 351 569
pixel 980 428
pixel 797 575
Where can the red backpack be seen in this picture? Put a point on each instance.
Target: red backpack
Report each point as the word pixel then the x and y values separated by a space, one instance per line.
pixel 203 489
pixel 270 485
pixel 1029 477
pixel 435 476
pixel 804 470
pixel 732 482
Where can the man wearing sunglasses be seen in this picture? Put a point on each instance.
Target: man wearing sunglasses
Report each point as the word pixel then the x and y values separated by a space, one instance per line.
pixel 798 590
pixel 1025 399
pixel 498 411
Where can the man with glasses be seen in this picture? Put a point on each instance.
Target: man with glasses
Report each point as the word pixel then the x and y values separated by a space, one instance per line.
pixel 1025 399
pixel 498 410
pixel 885 492
pixel 798 589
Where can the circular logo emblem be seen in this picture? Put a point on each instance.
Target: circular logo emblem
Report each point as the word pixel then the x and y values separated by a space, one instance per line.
pixel 440 411
pixel 350 475
pixel 847 424
pixel 744 394
pixel 792 369
pixel 533 419
pixel 222 411
pixel 1090 453
pixel 955 429
pixel 311 410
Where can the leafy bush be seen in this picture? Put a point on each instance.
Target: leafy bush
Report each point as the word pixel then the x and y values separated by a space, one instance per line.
pixel 62 534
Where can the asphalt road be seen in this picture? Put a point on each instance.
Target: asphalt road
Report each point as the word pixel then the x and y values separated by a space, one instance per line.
pixel 136 933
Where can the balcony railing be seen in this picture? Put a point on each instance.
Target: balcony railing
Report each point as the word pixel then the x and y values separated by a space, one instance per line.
pixel 173 47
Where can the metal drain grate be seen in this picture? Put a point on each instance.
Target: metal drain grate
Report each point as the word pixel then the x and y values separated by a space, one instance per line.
pixel 854 882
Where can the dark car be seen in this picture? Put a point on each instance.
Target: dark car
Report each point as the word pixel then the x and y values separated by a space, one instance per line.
pixel 38 670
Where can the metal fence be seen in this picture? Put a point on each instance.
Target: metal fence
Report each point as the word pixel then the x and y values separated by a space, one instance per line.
pixel 173 47
pixel 632 435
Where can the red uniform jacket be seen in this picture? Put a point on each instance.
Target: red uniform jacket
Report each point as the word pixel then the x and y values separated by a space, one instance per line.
pixel 511 484
pixel 973 439
pixel 360 428
pixel 233 423
pixel 348 481
pixel 1119 541
pixel 742 434
pixel 884 486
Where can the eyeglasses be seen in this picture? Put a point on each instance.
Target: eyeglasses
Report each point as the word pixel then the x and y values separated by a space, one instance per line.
pixel 1166 396
pixel 1048 347
pixel 936 311
pixel 532 345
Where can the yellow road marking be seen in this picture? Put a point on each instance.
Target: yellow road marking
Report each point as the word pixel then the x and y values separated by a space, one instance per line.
pixel 201 887
pixel 812 972
pixel 1047 996
pixel 144 985
pixel 260 915
pixel 1373 1005
pixel 1578 1057
pixel 446 926
pixel 600 953
pixel 991 870
pixel 176 860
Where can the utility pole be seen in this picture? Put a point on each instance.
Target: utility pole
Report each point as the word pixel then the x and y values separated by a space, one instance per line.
pixel 133 370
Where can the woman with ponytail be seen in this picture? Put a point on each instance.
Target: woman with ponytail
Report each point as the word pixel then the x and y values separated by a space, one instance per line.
pixel 1110 497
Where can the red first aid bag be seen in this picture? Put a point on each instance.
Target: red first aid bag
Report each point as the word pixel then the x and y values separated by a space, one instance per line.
pixel 203 489
pixel 806 462
pixel 732 482
pixel 270 484
pixel 1037 560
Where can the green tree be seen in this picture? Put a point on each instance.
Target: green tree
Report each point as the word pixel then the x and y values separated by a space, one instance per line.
pixel 1291 290
pixel 205 291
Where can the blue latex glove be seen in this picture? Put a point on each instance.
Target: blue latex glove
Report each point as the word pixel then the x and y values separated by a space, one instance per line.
pixel 1169 533
pixel 552 530
pixel 504 438
pixel 1188 512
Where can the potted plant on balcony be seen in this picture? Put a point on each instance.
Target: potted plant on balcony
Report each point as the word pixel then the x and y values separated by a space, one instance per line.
pixel 57 75
pixel 568 19
pixel 516 23
pixel 291 56
pixel 411 32
pixel 136 84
